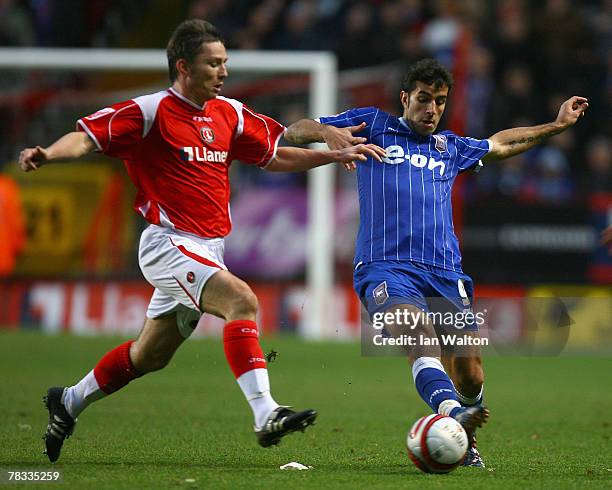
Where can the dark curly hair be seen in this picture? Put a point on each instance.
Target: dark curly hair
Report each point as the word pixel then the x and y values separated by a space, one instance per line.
pixel 428 71
pixel 186 42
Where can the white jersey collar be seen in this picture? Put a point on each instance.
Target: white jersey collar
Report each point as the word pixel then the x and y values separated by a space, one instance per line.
pixel 185 99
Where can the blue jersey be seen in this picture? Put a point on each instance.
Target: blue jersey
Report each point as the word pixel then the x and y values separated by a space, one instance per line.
pixel 405 201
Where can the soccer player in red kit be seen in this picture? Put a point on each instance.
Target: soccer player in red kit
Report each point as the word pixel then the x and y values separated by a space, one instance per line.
pixel 177 146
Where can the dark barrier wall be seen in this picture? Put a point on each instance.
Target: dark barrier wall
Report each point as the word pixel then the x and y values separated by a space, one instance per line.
pixel 506 242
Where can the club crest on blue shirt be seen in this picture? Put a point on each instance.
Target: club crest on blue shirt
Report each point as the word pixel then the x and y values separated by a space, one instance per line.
pixel 207 134
pixel 440 142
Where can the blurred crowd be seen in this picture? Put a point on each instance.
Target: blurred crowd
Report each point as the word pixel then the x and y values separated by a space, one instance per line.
pixel 524 58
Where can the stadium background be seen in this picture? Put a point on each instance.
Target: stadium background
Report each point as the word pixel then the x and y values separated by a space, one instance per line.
pixel 526 225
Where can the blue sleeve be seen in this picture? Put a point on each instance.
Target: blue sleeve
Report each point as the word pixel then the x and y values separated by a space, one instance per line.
pixel 352 117
pixel 469 152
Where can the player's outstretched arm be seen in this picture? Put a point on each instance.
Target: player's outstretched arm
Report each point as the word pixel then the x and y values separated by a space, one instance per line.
pixel 290 159
pixel 511 142
pixel 307 131
pixel 71 145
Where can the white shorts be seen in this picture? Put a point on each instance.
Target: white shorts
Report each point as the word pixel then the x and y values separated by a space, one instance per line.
pixel 178 265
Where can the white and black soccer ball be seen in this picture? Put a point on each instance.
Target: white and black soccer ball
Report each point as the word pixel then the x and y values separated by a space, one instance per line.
pixel 437 443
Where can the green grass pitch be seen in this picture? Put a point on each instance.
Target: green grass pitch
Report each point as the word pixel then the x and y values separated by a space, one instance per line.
pixel 189 427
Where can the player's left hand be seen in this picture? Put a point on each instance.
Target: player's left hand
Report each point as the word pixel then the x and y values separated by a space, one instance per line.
pixel 571 110
pixel 348 156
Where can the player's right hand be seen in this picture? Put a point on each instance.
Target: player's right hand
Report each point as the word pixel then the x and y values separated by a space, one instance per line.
pixel 32 158
pixel 339 138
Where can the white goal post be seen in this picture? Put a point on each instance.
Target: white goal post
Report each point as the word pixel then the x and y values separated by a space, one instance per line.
pixel 322 68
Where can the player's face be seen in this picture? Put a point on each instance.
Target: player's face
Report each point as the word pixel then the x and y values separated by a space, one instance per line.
pixel 423 107
pixel 204 77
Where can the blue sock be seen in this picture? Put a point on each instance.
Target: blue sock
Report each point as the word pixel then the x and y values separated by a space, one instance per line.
pixel 434 385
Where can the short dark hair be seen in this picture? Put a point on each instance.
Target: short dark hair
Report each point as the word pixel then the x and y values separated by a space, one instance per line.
pixel 428 71
pixel 186 42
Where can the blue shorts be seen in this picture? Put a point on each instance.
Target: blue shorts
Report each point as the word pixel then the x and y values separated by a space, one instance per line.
pixel 381 285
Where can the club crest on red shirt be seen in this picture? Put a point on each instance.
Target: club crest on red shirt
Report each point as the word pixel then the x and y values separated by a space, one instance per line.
pixel 207 134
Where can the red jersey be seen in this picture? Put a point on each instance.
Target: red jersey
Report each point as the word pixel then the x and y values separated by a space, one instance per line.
pixel 178 154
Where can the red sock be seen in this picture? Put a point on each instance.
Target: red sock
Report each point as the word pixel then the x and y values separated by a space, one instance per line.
pixel 241 345
pixel 115 369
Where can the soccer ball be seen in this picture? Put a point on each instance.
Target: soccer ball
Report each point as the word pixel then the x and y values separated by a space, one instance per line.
pixel 437 443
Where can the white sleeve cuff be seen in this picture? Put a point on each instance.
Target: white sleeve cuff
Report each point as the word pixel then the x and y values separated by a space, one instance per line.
pixel 90 134
pixel 275 149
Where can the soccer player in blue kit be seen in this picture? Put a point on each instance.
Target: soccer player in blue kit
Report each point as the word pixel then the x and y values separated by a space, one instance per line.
pixel 407 253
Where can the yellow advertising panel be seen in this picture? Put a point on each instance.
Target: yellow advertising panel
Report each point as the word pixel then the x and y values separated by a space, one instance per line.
pixel 78 218
pixel 581 314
